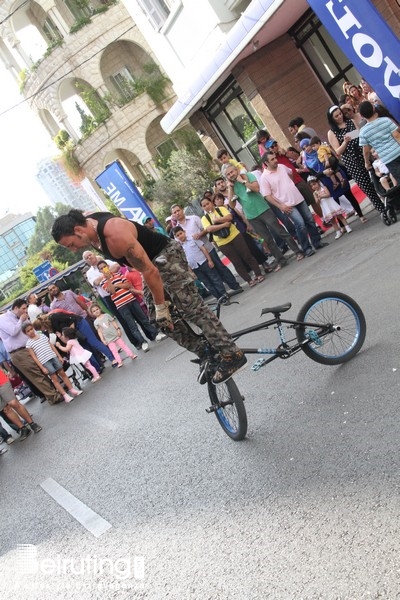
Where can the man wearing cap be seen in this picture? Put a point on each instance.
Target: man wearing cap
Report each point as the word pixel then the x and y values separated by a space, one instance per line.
pixel 149 223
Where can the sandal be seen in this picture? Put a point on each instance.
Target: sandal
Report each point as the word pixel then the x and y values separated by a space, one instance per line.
pixel 299 256
pixel 260 278
pixel 253 282
pixel 363 219
pixel 277 268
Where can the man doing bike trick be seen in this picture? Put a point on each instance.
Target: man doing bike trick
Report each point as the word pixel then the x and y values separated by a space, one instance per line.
pixel 163 265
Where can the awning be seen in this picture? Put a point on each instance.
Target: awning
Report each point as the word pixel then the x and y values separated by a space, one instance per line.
pixel 257 14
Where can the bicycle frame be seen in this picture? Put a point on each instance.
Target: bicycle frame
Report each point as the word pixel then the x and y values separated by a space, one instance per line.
pixel 286 349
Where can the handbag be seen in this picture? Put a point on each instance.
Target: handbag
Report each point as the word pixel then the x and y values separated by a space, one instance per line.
pixel 224 232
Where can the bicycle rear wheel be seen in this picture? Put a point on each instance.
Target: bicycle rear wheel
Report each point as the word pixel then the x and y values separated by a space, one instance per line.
pixel 340 332
pixel 227 404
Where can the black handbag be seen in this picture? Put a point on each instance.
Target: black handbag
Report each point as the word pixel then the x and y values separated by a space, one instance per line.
pixel 224 232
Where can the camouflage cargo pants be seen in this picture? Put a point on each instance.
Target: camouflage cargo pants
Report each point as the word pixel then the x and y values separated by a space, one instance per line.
pixel 180 287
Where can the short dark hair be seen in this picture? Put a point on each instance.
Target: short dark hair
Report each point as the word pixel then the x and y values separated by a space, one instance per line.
pixel 296 122
pixel 26 325
pixel 175 229
pixel 65 224
pixel 18 303
pixel 366 109
pixel 70 333
pixel 315 140
pixel 265 156
pixel 219 178
pixel 221 152
pixel 101 262
pixel 262 133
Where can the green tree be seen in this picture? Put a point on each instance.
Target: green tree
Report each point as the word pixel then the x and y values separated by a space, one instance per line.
pixel 26 275
pixel 45 218
pixel 185 178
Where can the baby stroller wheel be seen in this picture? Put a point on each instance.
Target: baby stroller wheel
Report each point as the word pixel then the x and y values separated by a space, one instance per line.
pixel 385 218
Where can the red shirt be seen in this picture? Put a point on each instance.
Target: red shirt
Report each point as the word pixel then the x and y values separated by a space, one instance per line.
pixel 121 296
pixel 283 160
pixel 3 377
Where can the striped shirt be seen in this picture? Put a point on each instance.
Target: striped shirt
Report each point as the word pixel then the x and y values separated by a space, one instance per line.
pixel 378 135
pixel 41 347
pixel 120 296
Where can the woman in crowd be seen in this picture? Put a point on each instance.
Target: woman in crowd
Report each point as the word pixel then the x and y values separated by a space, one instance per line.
pixel 315 167
pixel 345 144
pixel 232 244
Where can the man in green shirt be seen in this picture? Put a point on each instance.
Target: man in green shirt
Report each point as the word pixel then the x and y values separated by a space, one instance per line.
pixel 257 211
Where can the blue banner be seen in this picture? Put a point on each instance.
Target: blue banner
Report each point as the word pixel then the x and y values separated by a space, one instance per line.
pixel 123 192
pixel 369 43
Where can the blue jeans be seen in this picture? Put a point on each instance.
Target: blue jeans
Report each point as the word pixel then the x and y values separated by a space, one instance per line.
pixel 92 340
pixel 305 225
pixel 211 279
pixel 133 314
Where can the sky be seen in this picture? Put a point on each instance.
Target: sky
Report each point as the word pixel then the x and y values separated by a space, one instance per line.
pixel 24 142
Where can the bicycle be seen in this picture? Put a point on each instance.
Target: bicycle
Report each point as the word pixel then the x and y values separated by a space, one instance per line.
pixel 330 329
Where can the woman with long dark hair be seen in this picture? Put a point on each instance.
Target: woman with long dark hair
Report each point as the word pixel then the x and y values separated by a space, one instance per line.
pixel 349 151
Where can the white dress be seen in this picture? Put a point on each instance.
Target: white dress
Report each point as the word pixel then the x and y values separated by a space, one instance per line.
pixel 330 209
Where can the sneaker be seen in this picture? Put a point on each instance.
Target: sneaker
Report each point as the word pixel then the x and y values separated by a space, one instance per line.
pixel 24 432
pixel 228 366
pixel 2 440
pixel 35 427
pixel 309 252
pixel 96 379
pixel 338 235
pixel 67 398
pixel 3 451
pixel 75 392
pixel 159 337
pixel 145 347
pixel 348 229
pixel 9 440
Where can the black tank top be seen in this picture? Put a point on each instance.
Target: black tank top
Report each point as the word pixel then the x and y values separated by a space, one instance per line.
pixel 152 241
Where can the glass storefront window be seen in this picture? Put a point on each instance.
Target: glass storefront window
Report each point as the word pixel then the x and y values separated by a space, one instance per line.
pixel 236 121
pixel 331 66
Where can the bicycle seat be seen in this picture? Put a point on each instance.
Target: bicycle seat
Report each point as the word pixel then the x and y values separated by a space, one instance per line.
pixel 277 309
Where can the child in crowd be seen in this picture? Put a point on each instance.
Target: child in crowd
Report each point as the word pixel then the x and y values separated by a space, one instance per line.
pixel 330 209
pixel 49 361
pixel 77 354
pixel 325 155
pixel 200 262
pixel 110 333
pixel 385 178
pixel 224 157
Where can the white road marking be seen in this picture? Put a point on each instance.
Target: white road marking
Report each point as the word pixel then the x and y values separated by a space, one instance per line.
pixel 82 513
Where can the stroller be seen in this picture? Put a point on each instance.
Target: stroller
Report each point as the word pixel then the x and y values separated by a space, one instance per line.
pixel 390 199
pixel 21 389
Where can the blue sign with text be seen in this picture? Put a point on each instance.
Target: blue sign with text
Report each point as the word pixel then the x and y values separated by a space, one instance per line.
pixel 123 192
pixel 42 272
pixel 369 43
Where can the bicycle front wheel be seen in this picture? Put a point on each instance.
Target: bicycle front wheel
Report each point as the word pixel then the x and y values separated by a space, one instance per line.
pixel 334 328
pixel 228 406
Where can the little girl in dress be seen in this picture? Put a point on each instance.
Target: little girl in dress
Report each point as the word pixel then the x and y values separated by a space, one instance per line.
pixel 330 209
pixel 77 354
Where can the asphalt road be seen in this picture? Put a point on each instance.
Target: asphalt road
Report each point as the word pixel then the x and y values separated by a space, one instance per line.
pixel 306 507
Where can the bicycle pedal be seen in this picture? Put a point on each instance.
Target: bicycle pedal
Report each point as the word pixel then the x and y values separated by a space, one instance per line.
pixel 212 409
